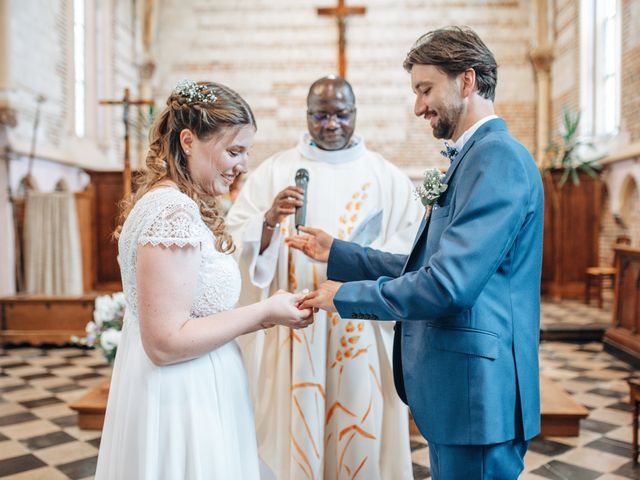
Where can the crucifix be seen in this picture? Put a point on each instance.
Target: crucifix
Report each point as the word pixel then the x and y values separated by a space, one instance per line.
pixel 341 12
pixel 126 102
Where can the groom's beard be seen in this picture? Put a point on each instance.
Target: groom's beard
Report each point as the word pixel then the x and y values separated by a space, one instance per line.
pixel 449 118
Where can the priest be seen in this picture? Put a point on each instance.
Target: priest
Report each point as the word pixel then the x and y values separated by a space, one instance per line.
pixel 325 403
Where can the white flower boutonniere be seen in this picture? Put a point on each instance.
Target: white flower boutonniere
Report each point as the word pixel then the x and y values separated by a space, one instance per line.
pixel 431 188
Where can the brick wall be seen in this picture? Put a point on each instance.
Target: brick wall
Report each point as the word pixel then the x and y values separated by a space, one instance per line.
pixel 630 81
pixel 565 71
pixel 41 63
pixel 271 52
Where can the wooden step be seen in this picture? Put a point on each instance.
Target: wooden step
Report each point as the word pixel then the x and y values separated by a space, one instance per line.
pixel 560 414
pixel 92 406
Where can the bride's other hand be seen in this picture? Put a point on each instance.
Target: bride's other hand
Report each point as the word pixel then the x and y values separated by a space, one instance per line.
pixel 315 244
pixel 283 310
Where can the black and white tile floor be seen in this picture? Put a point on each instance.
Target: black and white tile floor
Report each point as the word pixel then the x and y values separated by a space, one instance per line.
pixel 39 438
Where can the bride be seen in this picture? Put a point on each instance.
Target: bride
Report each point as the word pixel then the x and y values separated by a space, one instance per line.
pixel 178 404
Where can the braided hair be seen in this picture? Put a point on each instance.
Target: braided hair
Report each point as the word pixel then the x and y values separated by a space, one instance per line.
pixel 205 115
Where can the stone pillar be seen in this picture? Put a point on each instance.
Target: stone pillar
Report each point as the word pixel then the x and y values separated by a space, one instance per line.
pixel 542 58
pixel 7 120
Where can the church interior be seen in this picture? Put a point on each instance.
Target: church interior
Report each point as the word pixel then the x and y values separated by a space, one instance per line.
pixel 81 81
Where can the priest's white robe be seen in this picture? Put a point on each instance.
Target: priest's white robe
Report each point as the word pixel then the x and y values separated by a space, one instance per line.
pixel 325 403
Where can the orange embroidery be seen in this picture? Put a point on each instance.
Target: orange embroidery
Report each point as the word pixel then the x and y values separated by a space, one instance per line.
pixel 358 205
pixel 360 326
pixel 293 283
pixel 306 426
pixel 335 407
pixel 354 339
pixel 355 474
pixel 343 341
pixel 361 351
pixel 309 384
pixel 349 326
pixel 366 414
pixel 358 430
pixel 303 455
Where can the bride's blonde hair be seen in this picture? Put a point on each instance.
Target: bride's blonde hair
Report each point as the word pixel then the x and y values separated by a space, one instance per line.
pixel 206 112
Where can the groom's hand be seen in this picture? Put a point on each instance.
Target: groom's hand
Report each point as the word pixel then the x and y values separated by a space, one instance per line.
pixel 315 244
pixel 322 298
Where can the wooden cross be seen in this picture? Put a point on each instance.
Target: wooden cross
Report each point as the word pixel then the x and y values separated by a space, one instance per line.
pixel 126 102
pixel 341 12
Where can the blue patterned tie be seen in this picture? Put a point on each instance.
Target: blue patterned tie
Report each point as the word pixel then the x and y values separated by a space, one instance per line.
pixel 449 151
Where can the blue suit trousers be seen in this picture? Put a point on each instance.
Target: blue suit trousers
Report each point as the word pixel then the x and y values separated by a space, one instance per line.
pixel 500 461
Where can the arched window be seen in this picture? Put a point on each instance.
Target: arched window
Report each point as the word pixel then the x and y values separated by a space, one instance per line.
pixel 600 67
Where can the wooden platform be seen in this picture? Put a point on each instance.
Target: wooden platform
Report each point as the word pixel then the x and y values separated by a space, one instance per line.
pixel 91 407
pixel 560 414
pixel 38 319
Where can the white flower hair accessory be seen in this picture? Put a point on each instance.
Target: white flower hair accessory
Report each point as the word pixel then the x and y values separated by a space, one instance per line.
pixel 195 92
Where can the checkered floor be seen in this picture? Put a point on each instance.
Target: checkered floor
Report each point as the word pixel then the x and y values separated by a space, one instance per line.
pixel 39 438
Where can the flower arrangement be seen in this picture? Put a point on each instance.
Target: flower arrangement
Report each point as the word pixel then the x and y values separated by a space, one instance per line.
pixel 105 329
pixel 431 188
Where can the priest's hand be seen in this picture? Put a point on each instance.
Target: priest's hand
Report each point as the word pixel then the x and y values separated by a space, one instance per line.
pixel 284 204
pixel 322 298
pixel 315 244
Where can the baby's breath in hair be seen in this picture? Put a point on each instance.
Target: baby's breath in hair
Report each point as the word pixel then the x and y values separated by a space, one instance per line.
pixel 195 92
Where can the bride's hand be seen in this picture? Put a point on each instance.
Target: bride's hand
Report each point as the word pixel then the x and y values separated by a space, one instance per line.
pixel 315 244
pixel 283 310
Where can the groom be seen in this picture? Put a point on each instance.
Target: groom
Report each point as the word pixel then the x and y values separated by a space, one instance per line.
pixel 467 298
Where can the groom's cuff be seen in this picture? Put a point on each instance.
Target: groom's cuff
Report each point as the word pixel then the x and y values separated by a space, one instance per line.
pixel 356 300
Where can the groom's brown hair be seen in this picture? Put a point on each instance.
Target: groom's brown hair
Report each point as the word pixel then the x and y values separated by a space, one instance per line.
pixel 453 50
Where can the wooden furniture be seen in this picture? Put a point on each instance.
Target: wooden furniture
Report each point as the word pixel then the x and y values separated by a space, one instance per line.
pixel 107 191
pixel 624 335
pixel 38 319
pixel 634 399
pixel 560 414
pixel 571 234
pixel 597 276
pixel 92 406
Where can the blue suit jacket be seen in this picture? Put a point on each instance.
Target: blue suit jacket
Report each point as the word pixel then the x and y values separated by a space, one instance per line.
pixel 467 297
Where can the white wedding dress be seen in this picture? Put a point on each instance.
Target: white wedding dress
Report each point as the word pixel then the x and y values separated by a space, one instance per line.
pixel 191 420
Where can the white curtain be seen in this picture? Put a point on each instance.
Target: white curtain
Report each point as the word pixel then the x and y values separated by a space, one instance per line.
pixel 53 260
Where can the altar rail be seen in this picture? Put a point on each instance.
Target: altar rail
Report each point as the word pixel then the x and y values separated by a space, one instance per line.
pixel 624 334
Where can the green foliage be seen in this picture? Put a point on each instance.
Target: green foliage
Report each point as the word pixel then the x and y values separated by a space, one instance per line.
pixel 564 155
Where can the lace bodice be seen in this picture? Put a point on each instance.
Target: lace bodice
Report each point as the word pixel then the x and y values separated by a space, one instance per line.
pixel 166 216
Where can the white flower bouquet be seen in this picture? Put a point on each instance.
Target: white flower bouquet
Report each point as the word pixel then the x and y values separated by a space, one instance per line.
pixel 105 329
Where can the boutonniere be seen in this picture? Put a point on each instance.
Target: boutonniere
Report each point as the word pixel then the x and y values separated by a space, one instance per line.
pixel 431 189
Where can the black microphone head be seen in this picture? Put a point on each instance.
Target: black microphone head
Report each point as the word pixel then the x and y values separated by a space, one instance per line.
pixel 302 176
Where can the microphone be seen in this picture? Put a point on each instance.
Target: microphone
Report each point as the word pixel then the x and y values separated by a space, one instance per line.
pixel 302 180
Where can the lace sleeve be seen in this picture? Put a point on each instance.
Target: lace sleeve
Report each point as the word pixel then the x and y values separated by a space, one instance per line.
pixel 177 223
